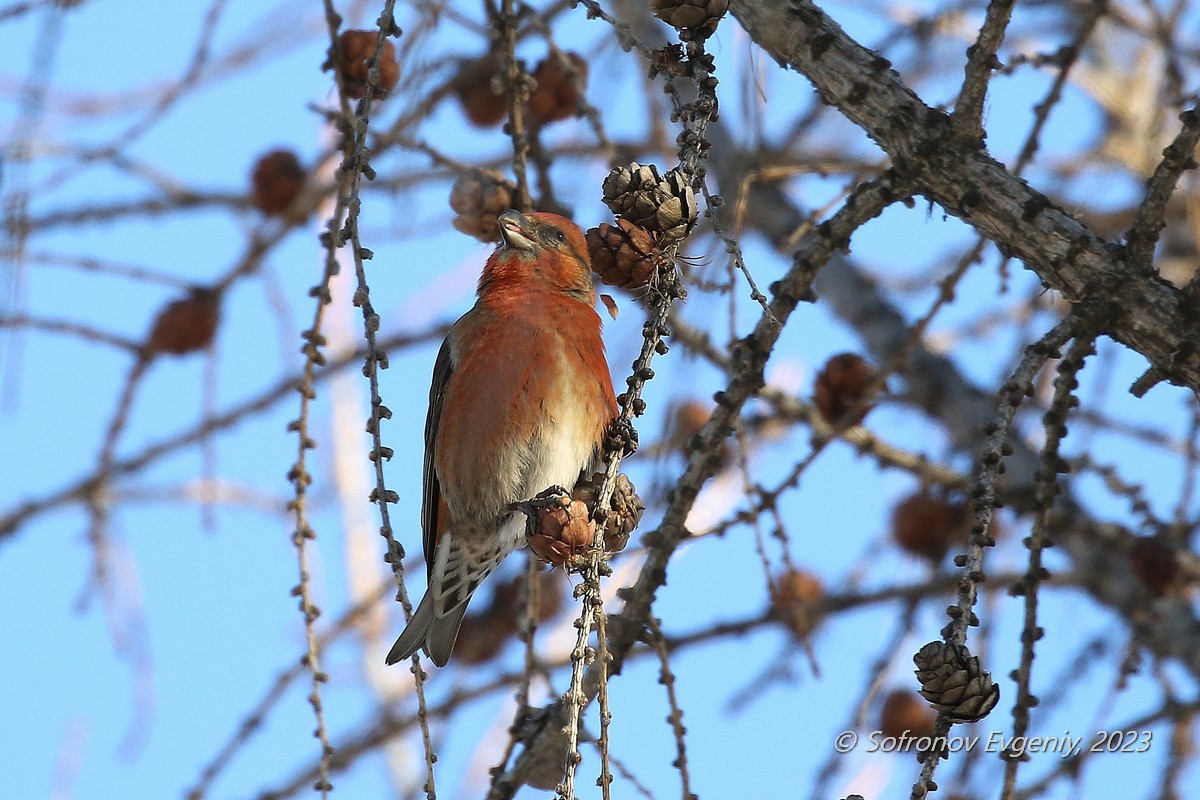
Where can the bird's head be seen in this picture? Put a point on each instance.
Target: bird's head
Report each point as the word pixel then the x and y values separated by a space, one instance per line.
pixel 540 248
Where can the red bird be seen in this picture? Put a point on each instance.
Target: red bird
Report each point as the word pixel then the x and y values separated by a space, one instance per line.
pixel 520 402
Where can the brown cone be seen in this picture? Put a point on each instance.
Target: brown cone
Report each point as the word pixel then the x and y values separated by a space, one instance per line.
pixel 186 325
pixel 796 598
pixel 626 508
pixel 662 205
pixel 479 196
pixel 687 419
pixel 840 384
pixel 623 255
pixel 357 48
pixel 929 526
pixel 483 101
pixel 561 529
pixel 1156 566
pixel 561 82
pixel 954 682
pixel 484 633
pixel 904 712
pixel 690 14
pixel 481 637
pixel 550 597
pixel 276 181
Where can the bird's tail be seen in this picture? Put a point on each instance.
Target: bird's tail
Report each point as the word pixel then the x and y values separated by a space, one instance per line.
pixel 455 575
pixel 436 634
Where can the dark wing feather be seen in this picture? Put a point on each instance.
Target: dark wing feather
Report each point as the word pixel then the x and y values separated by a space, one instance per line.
pixel 431 491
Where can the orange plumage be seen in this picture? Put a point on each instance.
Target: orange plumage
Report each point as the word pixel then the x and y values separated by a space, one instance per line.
pixel 521 399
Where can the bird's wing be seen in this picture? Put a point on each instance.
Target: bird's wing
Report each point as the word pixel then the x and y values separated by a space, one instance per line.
pixel 431 491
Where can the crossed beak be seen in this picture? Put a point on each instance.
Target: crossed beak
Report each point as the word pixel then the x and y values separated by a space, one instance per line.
pixel 515 229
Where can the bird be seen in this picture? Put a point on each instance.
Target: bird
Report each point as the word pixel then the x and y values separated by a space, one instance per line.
pixel 521 400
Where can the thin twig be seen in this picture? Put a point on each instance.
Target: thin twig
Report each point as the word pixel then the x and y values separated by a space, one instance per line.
pixel 1046 492
pixel 516 85
pixel 1178 157
pixel 675 718
pixel 79 489
pixel 85 332
pixel 603 742
pixel 981 61
pixel 984 497
pixel 253 721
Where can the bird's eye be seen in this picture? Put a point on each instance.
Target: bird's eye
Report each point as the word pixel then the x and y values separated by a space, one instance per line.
pixel 562 237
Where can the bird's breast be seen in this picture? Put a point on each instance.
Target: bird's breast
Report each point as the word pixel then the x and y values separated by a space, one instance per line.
pixel 525 407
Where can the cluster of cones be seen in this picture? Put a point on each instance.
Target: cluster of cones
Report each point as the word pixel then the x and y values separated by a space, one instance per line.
pixel 559 86
pixel 278 177
pixel 654 213
pixel 560 527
